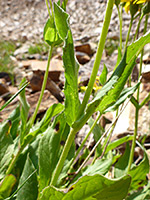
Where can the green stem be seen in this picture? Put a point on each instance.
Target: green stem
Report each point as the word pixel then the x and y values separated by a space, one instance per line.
pixel 128 34
pixel 98 56
pixel 126 44
pixel 145 101
pixel 137 109
pixel 120 21
pixel 84 141
pixel 51 5
pixel 48 8
pixel 109 136
pixel 134 140
pixel 138 27
pixel 43 88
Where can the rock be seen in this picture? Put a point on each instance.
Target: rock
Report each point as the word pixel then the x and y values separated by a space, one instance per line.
pixel 85 48
pixel 146 73
pixel 56 67
pixel 36 84
pixel 3 89
pixel 21 50
pixel 82 58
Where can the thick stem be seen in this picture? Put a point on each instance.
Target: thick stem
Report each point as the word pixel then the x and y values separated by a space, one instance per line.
pixel 43 88
pixel 98 56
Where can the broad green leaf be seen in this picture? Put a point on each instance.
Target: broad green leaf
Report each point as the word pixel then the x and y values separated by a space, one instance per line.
pixel 48 156
pixel 61 21
pixel 127 92
pixel 6 186
pixel 6 147
pixel 139 173
pixel 51 193
pixel 98 187
pixel 118 142
pixel 49 150
pixel 103 76
pixel 42 126
pixel 29 191
pixel 101 166
pixel 122 164
pixel 71 84
pixel 143 194
pixel 24 112
pixel 33 151
pixel 50 33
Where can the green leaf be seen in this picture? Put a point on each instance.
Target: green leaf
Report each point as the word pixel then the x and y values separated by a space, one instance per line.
pixel 42 126
pixel 71 84
pixel 118 142
pixel 139 173
pixel 29 191
pixel 101 166
pixel 6 186
pixel 127 92
pixel 143 194
pixel 135 48
pixel 100 188
pixel 49 150
pixel 122 164
pixel 48 156
pixel 51 193
pixel 103 76
pixel 61 21
pixel 50 33
pixel 6 147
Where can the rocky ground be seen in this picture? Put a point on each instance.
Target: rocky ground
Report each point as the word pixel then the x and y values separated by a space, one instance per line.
pixel 23 22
